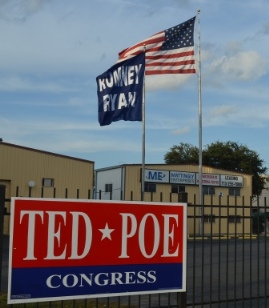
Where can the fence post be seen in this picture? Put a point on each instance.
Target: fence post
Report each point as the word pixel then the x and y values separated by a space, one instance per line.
pixel 183 197
pixel 2 213
pixel 182 299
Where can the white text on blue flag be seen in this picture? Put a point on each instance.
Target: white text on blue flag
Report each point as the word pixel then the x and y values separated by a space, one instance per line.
pixel 120 91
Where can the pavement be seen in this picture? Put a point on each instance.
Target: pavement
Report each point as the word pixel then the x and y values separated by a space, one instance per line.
pixel 226 272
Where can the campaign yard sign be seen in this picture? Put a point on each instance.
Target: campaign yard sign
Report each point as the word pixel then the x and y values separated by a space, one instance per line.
pixel 69 249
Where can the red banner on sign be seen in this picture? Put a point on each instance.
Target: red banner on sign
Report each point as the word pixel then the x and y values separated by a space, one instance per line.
pixel 52 235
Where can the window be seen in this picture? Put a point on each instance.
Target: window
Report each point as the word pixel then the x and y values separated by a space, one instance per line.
pixel 234 218
pixel 150 187
pixel 234 191
pixel 47 182
pixel 209 218
pixel 175 189
pixel 108 188
pixel 208 190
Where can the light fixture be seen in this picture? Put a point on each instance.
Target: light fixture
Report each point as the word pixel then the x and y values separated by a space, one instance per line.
pixel 31 183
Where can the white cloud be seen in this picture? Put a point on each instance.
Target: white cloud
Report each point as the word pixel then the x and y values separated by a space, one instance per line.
pixel 181 131
pixel 19 10
pixel 223 110
pixel 234 63
pixel 243 114
pixel 19 84
pixel 248 65
pixel 170 82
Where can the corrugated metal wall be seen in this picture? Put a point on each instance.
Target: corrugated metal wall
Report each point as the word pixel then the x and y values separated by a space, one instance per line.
pixel 73 178
pixel 236 207
pixel 112 176
pixel 19 165
pixel 133 183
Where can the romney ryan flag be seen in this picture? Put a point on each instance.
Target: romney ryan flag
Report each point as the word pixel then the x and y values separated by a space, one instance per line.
pixel 120 91
pixel 168 52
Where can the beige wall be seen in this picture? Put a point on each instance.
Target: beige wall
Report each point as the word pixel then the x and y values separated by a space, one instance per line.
pixel 19 165
pixel 222 206
pixel 133 183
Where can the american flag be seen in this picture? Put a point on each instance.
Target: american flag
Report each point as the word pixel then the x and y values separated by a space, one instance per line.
pixel 168 52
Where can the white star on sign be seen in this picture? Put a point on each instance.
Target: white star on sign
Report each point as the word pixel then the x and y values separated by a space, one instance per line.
pixel 106 232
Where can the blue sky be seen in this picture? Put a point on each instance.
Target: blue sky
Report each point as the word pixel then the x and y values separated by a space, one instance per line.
pixel 52 50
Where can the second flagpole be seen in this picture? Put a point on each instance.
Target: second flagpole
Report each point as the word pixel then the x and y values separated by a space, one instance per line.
pixel 143 138
pixel 201 229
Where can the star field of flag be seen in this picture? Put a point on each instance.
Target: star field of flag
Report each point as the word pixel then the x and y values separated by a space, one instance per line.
pixel 179 36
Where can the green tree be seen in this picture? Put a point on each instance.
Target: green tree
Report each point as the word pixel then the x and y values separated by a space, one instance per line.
pixel 182 154
pixel 223 155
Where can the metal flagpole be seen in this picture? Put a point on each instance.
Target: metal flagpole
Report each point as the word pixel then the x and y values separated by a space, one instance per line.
pixel 143 139
pixel 200 127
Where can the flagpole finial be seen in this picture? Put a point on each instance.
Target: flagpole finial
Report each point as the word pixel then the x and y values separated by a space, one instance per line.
pixel 198 11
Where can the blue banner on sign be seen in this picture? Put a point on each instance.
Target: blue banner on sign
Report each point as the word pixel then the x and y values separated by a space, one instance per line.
pixel 120 91
pixel 66 255
pixel 77 281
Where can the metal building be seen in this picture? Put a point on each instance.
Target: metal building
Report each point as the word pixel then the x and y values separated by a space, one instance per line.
pixel 28 172
pixel 228 193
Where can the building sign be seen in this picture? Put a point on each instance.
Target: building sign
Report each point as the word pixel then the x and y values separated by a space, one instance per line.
pixel 231 180
pixel 157 176
pixel 68 249
pixel 191 178
pixel 178 177
pixel 209 179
